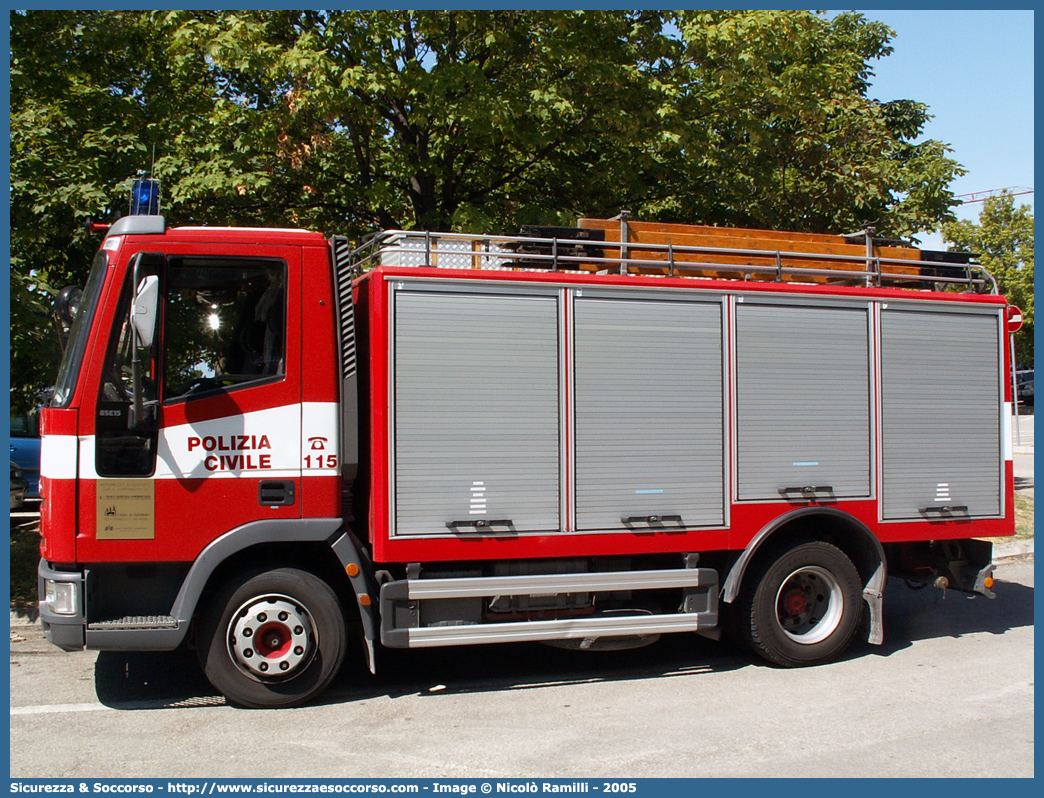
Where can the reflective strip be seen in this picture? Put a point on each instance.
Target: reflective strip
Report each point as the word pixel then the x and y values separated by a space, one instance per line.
pixel 58 456
pixel 1007 432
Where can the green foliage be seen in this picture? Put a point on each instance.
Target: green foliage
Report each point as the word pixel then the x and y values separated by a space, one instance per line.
pixel 780 133
pixel 344 121
pixel 433 119
pixel 91 93
pixel 1003 239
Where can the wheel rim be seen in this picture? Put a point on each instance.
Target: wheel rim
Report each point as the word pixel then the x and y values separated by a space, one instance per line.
pixel 809 605
pixel 272 637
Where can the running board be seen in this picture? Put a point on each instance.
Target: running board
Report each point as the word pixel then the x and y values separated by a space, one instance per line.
pixel 135 633
pixel 402 614
pixel 135 622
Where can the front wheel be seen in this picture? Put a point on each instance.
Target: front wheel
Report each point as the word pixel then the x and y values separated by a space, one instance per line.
pixel 803 606
pixel 273 639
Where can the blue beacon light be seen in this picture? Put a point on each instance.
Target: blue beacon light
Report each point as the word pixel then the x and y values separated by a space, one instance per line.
pixel 145 197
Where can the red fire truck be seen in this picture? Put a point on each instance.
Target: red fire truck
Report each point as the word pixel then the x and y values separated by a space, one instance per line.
pixel 281 451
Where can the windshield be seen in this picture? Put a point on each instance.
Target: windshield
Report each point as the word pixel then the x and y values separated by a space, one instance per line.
pixel 72 360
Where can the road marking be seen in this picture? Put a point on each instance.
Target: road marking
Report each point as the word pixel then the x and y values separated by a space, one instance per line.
pixel 51 709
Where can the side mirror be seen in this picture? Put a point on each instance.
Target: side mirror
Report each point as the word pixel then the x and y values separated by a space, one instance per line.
pixel 67 303
pixel 66 306
pixel 144 312
pixel 143 309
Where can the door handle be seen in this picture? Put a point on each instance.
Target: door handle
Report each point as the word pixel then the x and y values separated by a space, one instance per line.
pixel 275 493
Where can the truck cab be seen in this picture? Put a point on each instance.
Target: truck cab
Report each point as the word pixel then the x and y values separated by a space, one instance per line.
pixel 156 446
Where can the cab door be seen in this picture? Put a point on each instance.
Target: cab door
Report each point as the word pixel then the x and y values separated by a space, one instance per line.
pixel 221 443
pixel 230 443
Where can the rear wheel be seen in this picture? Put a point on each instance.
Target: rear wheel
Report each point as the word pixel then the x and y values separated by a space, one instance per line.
pixel 273 639
pixel 801 607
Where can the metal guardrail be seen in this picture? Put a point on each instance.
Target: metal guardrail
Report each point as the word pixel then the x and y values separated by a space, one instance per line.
pixel 487 252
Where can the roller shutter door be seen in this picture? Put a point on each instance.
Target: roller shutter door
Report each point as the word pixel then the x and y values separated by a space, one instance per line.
pixel 648 414
pixel 476 413
pixel 803 400
pixel 941 408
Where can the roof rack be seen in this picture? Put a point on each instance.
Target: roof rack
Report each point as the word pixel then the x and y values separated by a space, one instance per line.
pixel 620 246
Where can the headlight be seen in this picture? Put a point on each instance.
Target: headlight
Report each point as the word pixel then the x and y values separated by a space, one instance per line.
pixel 61 597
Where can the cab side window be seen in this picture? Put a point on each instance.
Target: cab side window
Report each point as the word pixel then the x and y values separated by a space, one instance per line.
pixel 224 325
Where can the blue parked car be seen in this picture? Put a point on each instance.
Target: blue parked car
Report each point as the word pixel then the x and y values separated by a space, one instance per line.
pixel 25 449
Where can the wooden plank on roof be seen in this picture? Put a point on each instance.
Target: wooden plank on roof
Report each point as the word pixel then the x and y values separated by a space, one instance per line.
pixel 768 241
pixel 698 229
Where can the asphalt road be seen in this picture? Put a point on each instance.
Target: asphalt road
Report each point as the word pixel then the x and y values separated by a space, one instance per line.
pixel 949 694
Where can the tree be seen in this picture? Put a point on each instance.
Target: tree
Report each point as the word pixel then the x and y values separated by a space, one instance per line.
pixel 91 93
pixel 469 120
pixel 1003 239
pixel 781 133
pixel 487 119
pixel 344 121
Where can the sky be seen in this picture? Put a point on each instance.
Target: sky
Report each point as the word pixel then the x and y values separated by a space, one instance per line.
pixel 974 70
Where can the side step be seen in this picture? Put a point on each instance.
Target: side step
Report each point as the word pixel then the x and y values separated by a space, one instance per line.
pixel 401 601
pixel 135 633
pixel 135 622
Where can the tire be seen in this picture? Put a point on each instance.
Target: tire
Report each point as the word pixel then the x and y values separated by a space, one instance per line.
pixel 801 606
pixel 272 639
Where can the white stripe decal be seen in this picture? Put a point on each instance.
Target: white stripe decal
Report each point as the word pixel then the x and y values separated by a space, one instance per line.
pixel 320 443
pixel 58 456
pixel 87 458
pixel 267 440
pixel 274 443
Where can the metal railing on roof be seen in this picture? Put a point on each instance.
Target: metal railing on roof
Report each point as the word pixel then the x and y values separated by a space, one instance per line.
pixel 554 254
